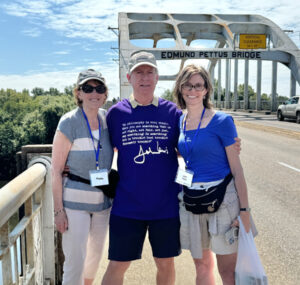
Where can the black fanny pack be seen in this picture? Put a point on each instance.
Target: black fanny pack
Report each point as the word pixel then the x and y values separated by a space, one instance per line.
pixel 108 190
pixel 205 201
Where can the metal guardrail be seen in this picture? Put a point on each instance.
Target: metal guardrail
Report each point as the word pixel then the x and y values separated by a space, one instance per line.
pixel 265 104
pixel 27 248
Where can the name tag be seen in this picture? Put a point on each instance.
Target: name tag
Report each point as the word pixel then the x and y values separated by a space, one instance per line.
pixel 99 177
pixel 184 177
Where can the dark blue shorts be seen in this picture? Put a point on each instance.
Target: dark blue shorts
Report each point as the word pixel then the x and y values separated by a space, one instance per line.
pixel 126 238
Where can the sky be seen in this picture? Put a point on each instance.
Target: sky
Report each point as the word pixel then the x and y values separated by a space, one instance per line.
pixel 46 43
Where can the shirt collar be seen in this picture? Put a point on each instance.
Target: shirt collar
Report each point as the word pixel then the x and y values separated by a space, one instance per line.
pixel 134 103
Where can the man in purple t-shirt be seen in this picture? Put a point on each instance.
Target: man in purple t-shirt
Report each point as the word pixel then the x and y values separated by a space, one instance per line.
pixel 145 131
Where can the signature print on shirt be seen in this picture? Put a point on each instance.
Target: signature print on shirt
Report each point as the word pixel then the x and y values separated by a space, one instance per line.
pixel 140 158
pixel 143 133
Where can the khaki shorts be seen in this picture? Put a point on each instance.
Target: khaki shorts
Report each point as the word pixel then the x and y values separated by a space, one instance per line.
pixel 207 231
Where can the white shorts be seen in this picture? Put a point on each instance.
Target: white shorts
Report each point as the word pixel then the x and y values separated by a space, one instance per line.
pixel 207 231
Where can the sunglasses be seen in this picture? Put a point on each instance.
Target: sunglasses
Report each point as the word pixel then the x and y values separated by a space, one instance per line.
pixel 100 89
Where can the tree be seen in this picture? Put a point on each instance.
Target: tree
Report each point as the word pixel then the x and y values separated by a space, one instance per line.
pixel 69 90
pixel 26 119
pixel 34 130
pixel 216 91
pixel 265 96
pixel 53 92
pixel 51 115
pixel 8 148
pixel 37 91
pixel 241 90
pixel 167 95
pixel 282 98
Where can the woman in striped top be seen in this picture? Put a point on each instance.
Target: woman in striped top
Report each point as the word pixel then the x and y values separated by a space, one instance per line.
pixel 81 211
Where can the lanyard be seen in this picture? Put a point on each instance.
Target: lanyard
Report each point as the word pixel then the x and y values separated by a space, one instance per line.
pixel 98 146
pixel 189 150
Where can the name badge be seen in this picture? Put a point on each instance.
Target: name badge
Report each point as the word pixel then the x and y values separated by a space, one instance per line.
pixel 184 177
pixel 99 177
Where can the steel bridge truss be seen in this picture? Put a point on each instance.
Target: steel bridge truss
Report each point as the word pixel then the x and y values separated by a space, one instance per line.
pixel 227 31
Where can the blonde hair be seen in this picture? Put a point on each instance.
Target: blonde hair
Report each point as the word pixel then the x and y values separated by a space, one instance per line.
pixel 184 76
pixel 76 90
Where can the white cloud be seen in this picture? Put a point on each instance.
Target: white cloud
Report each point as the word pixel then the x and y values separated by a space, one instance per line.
pixel 22 8
pixel 63 52
pixel 34 32
pixel 61 79
pixel 89 19
pixel 64 63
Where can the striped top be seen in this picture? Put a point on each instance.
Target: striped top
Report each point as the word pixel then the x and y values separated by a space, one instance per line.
pixel 81 159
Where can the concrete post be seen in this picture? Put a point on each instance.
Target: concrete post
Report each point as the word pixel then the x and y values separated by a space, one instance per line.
pixel 227 86
pixel 274 87
pixel 219 82
pixel 212 76
pixel 246 99
pixel 47 217
pixel 235 83
pixel 292 86
pixel 258 86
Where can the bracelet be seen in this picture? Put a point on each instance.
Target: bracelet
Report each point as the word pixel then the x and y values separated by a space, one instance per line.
pixel 245 209
pixel 56 213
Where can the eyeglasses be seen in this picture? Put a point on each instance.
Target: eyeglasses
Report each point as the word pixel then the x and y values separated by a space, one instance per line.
pixel 189 87
pixel 86 88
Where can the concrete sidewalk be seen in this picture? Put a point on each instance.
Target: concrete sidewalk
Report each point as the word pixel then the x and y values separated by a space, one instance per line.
pixel 143 272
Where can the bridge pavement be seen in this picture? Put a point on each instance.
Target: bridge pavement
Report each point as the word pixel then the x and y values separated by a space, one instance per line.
pixel 142 272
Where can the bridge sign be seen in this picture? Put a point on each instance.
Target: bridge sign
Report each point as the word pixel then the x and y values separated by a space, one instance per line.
pixel 252 41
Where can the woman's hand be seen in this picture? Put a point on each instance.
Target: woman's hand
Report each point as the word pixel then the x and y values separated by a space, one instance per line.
pixel 61 221
pixel 245 217
pixel 237 145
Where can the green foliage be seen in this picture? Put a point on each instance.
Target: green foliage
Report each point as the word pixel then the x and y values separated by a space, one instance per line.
pixel 167 95
pixel 265 97
pixel 33 129
pixel 8 146
pixel 69 90
pixel 216 86
pixel 37 91
pixel 282 98
pixel 26 119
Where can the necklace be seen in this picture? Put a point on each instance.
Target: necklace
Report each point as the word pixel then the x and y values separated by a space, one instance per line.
pixel 194 120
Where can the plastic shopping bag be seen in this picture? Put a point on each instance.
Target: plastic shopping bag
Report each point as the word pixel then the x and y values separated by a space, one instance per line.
pixel 249 269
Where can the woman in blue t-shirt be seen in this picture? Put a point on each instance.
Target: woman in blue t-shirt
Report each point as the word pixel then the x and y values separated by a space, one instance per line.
pixel 206 143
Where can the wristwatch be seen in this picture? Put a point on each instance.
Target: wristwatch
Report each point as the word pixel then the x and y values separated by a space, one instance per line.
pixel 245 209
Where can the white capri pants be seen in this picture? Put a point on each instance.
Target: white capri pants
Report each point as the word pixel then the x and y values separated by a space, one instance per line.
pixel 83 244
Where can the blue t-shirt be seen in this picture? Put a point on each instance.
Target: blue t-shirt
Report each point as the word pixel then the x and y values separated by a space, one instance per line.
pixel 146 138
pixel 207 158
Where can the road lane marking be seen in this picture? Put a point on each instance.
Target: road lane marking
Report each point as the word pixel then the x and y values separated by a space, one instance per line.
pixel 291 167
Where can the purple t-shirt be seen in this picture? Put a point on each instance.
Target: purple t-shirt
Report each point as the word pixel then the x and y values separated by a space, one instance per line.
pixel 146 138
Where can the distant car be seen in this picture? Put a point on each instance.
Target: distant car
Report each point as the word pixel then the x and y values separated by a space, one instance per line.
pixel 290 109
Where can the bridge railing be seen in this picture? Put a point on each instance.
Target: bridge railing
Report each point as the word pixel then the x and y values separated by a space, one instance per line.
pixel 265 105
pixel 27 245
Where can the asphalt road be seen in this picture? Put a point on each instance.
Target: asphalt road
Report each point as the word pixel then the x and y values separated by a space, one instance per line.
pixel 272 169
pixel 271 163
pixel 265 120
